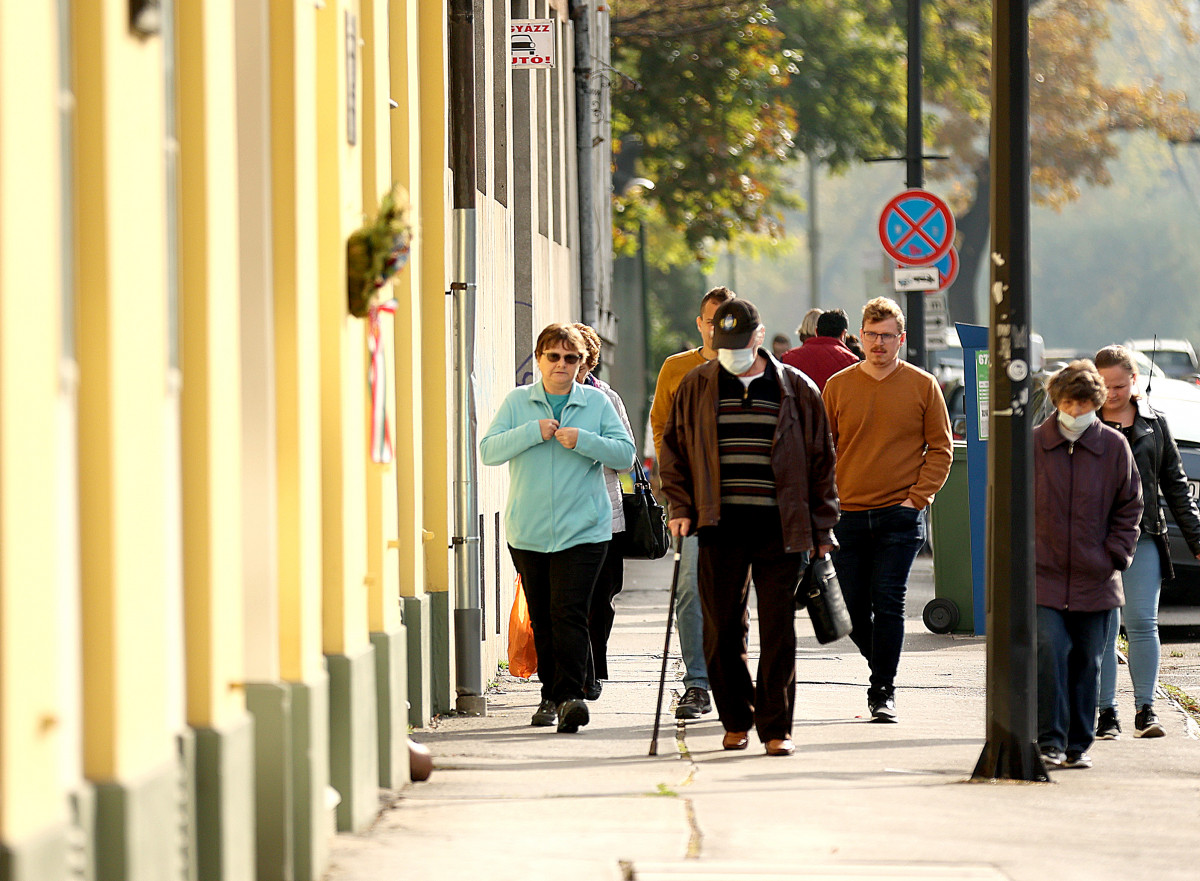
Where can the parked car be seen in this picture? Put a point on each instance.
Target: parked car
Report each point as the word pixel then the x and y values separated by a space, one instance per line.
pixel 1177 358
pixel 1179 402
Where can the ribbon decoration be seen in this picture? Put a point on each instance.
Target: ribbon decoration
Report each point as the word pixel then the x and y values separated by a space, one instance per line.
pixel 382 451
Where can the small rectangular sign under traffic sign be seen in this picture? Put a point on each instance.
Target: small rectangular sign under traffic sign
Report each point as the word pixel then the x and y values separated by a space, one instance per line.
pixel 531 42
pixel 922 278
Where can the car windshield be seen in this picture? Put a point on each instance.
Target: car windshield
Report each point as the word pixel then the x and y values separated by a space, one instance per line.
pixel 1177 361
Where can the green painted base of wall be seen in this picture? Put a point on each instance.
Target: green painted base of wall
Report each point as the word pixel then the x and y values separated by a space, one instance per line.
pixel 225 801
pixel 310 776
pixel 140 827
pixel 40 857
pixel 271 705
pixel 354 738
pixel 391 701
pixel 416 622
pixel 441 640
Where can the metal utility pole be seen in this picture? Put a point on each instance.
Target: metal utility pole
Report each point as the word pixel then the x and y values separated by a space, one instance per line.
pixel 468 614
pixel 1011 750
pixel 585 148
pixel 914 159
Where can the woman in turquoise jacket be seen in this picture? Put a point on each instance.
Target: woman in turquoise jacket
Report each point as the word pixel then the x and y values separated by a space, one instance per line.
pixel 557 436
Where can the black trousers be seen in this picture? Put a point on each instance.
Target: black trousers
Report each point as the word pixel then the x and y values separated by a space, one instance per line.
pixel 558 587
pixel 603 611
pixel 750 545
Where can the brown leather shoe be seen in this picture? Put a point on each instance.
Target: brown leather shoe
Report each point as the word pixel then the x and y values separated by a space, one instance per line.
pixel 735 740
pixel 782 747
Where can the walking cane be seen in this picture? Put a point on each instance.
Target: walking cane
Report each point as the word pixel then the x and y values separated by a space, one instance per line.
pixel 662 676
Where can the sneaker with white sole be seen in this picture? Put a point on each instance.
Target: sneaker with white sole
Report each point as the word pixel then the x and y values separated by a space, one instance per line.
pixel 1146 724
pixel 693 704
pixel 1052 757
pixel 1077 760
pixel 881 704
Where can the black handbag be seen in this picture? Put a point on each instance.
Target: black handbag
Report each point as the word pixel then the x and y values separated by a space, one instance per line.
pixel 645 535
pixel 820 592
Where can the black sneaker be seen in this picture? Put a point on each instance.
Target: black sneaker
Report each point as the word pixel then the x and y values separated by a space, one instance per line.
pixel 1077 760
pixel 693 704
pixel 881 703
pixel 546 715
pixel 1146 723
pixel 592 690
pixel 572 715
pixel 1107 726
pixel 1052 757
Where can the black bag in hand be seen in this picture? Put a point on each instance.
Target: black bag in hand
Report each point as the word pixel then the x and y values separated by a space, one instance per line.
pixel 820 592
pixel 645 535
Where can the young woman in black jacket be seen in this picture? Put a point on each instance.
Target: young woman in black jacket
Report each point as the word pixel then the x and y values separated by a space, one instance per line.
pixel 1158 462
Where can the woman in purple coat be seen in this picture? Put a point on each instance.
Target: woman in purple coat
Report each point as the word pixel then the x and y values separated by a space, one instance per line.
pixel 1087 505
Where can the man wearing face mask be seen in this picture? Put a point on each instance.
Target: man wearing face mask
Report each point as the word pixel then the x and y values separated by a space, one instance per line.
pixel 1087 506
pixel 747 464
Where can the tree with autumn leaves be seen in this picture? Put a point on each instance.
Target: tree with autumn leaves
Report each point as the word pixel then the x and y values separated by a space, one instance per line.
pixel 718 96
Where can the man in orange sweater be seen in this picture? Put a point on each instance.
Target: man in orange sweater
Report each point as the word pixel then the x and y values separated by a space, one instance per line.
pixel 688 614
pixel 892 433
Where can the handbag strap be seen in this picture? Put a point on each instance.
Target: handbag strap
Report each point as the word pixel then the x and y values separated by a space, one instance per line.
pixel 639 473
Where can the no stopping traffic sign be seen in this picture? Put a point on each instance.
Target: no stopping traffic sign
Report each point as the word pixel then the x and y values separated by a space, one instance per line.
pixel 916 228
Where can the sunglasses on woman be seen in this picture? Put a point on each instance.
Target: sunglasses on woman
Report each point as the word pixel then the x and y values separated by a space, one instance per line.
pixel 553 357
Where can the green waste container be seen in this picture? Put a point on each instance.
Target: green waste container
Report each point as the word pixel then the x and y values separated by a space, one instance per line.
pixel 952 609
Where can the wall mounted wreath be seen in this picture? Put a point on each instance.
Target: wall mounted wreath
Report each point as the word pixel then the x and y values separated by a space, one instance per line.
pixel 376 251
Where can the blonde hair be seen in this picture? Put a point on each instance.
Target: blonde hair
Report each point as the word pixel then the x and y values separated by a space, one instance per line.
pixel 881 309
pixel 808 324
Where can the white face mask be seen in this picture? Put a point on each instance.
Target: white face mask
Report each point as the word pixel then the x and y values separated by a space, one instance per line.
pixel 737 361
pixel 1076 423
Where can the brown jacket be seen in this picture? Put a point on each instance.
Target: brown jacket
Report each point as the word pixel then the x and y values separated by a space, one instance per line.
pixel 802 456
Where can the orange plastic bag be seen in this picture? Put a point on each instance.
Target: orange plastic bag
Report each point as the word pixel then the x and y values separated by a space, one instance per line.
pixel 522 656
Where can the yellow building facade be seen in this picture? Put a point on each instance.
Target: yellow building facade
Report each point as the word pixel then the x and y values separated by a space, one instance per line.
pixel 219 614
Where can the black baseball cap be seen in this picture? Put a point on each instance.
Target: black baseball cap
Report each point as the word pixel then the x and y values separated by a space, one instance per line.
pixel 734 324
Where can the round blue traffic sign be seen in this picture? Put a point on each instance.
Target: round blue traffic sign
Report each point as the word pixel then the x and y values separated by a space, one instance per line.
pixel 916 228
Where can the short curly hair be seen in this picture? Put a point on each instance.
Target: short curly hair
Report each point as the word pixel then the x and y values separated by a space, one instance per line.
pixel 591 341
pixel 1078 381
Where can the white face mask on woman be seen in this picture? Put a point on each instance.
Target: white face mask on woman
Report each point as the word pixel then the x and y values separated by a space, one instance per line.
pixel 1076 423
pixel 737 361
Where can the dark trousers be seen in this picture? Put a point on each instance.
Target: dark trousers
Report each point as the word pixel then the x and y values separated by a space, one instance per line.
pixel 731 554
pixel 876 551
pixel 1070 646
pixel 558 588
pixel 603 611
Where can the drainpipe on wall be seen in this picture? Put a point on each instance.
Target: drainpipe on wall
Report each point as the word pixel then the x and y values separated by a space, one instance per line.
pixel 468 617
pixel 588 234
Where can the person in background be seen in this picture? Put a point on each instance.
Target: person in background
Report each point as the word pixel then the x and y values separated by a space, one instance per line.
pixel 780 343
pixel 1087 502
pixel 894 448
pixel 612 573
pixel 854 345
pixel 688 614
pixel 748 466
pixel 824 354
pixel 808 325
pixel 1161 470
pixel 558 532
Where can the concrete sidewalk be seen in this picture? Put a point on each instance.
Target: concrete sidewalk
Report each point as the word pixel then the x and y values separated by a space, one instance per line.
pixel 857 800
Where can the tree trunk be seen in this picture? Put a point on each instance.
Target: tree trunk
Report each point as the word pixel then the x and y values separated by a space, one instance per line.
pixel 973 226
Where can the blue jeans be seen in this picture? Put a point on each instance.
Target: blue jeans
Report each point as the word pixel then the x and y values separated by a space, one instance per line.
pixel 1069 646
pixel 876 551
pixel 689 616
pixel 1143 584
